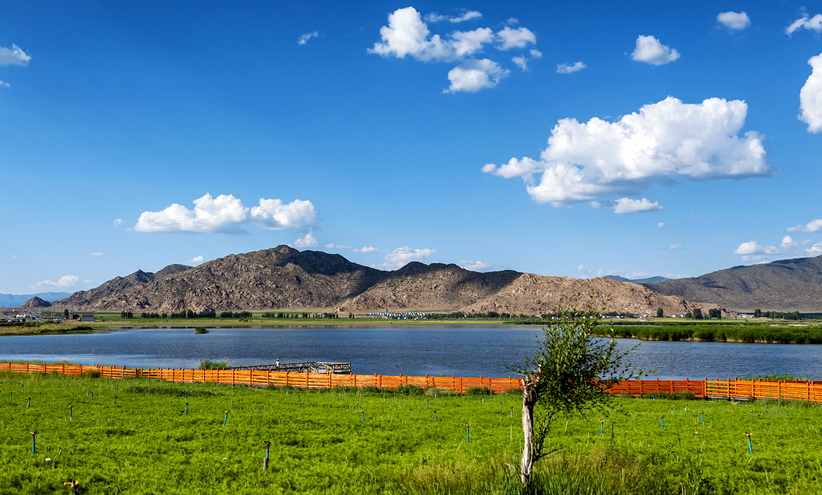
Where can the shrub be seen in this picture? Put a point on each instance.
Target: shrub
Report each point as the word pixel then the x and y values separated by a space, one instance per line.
pixel 409 390
pixel 370 389
pixel 430 392
pixel 92 374
pixel 207 364
pixel 479 391
pixel 201 330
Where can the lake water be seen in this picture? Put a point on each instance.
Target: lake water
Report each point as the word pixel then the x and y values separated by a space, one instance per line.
pixel 395 349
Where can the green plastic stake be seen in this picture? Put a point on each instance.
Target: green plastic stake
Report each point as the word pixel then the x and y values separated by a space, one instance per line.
pixel 28 403
pixel 186 408
pixel 226 418
pixel 69 413
pixel 363 416
pixel 262 407
pixel 750 445
pixel 662 422
pixel 467 433
pixel 232 405
pixel 33 433
pixel 357 407
pixel 702 414
pixel 435 415
pixel 512 411
pixel 601 428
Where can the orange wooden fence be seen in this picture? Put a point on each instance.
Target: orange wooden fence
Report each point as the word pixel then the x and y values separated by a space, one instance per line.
pixel 729 389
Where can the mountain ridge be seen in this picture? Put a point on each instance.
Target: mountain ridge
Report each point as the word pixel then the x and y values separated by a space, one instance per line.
pixel 283 277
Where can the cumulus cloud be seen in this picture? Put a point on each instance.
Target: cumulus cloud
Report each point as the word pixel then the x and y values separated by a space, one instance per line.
pixel 474 75
pixel 366 249
pixel 788 243
pixel 306 242
pixel 650 50
pixel 408 35
pixel 734 21
pixel 815 249
pixel 304 38
pixel 811 24
pixel 568 69
pixel 672 246
pixel 226 214
pixel 515 38
pixel 586 161
pixel 63 282
pixel 404 255
pixel 751 247
pixel 336 246
pixel 627 205
pixel 660 225
pixel 97 254
pixel 13 56
pixel 810 97
pixel 522 61
pixel 812 226
pixel 471 14
pixel 196 259
pixel 474 265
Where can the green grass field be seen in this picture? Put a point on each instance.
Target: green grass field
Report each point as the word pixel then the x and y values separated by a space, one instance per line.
pixel 145 443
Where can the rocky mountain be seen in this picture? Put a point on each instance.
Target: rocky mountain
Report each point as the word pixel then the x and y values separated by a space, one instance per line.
pixel 87 299
pixel 536 294
pixel 284 277
pixel 15 300
pixel 35 303
pixel 784 285
pixel 643 281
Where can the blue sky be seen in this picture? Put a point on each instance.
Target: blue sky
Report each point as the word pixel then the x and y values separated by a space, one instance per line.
pixel 568 139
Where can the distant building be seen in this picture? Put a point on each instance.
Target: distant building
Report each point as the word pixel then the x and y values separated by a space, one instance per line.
pixel 85 318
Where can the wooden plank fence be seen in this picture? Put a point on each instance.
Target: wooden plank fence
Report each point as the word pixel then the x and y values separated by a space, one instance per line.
pixel 728 389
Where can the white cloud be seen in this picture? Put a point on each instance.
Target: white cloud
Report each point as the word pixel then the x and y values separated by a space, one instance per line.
pixel 306 242
pixel 63 282
pixel 660 225
pixel 515 38
pixel 407 34
pixel 474 265
pixel 650 50
pixel 227 214
pixel 536 53
pixel 734 21
pixel 812 226
pixel 568 69
pixel 755 257
pixel 336 246
pixel 404 255
pixel 471 14
pixel 13 56
pixel 4 84
pixel 586 161
pixel 815 249
pixel 366 249
pixel 788 243
pixel 522 62
pixel 96 254
pixel 117 222
pixel 672 246
pixel 627 205
pixel 751 247
pixel 511 21
pixel 474 75
pixel 810 97
pixel 304 38
pixel 196 259
pixel 811 24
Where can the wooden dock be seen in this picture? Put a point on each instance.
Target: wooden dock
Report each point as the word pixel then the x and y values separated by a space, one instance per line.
pixel 301 367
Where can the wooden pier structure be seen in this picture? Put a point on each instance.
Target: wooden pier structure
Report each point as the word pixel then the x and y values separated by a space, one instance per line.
pixel 301 367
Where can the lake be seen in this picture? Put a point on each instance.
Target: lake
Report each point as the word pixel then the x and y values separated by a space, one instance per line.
pixel 391 350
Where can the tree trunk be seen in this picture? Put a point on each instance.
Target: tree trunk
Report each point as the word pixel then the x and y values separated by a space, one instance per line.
pixel 529 398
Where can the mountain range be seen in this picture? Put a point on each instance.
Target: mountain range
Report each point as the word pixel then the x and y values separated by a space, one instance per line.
pixel 642 281
pixel 783 285
pixel 284 277
pixel 15 300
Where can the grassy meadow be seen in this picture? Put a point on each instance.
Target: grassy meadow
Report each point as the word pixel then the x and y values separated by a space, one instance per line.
pixel 347 441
